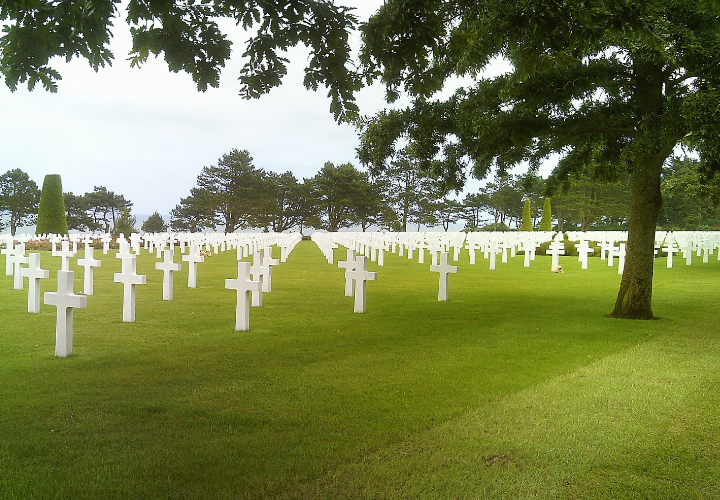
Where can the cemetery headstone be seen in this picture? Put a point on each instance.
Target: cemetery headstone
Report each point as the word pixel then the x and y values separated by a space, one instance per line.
pixel 129 278
pixel 65 301
pixel 244 287
pixel 444 269
pixel 167 266
pixel 34 274
pixel 89 263
pixel 360 275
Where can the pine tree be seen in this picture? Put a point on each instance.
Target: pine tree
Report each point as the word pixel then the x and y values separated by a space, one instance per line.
pixel 154 224
pixel 125 224
pixel 526 217
pixel 51 212
pixel 546 221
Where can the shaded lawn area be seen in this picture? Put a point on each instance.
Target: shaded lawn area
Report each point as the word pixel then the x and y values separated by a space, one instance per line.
pixel 518 387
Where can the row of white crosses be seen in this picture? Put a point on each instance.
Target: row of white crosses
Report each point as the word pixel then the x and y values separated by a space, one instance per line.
pixel 65 300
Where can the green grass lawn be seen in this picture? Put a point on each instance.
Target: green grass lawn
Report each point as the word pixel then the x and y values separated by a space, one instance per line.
pixel 517 387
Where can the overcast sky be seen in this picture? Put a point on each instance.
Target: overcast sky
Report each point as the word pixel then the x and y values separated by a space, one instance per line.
pixel 146 133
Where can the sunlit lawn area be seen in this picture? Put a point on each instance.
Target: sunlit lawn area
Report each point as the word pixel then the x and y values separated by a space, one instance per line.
pixel 517 387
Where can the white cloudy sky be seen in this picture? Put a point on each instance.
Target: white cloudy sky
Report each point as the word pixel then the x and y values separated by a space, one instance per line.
pixel 146 133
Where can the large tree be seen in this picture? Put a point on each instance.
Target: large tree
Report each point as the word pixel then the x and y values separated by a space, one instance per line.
pixel 234 191
pixel 406 190
pixel 283 202
pixel 193 214
pixel 610 86
pixel 187 34
pixel 19 198
pixel 106 207
pixel 77 209
pixel 691 202
pixel 343 196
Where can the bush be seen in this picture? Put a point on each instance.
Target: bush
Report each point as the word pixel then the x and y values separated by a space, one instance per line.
pixel 40 245
pixel 51 212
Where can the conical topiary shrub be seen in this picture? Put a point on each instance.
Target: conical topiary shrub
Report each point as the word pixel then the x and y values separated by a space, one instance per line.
pixel 546 221
pixel 52 218
pixel 526 218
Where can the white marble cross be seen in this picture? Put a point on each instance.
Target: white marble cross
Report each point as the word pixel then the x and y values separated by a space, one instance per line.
pixel 584 250
pixel 444 269
pixel 34 274
pixel 123 249
pixel 135 242
pixel 244 286
pixel 348 265
pixel 65 301
pixel 269 262
pixel 360 275
pixel 260 273
pixel 493 251
pixel 621 252
pixel 167 266
pixel 64 253
pixel 9 251
pixel 670 249
pixel 18 259
pixel 88 262
pixel 556 249
pixel 193 258
pixel 129 278
pixel 106 239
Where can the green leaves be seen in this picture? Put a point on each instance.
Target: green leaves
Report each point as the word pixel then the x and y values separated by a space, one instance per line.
pixel 187 35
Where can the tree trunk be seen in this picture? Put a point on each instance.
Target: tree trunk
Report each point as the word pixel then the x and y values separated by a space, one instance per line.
pixel 634 300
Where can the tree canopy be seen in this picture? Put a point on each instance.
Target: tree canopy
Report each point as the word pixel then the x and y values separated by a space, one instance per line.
pixel 189 37
pixel 612 87
pixel 19 198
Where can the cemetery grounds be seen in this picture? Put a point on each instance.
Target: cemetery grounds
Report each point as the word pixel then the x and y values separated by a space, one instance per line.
pixel 517 387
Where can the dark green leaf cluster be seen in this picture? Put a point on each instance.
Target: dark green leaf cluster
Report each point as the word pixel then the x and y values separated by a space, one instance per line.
pixel 605 84
pixel 187 34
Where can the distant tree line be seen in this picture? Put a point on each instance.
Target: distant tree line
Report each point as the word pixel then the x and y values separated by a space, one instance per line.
pixel 236 195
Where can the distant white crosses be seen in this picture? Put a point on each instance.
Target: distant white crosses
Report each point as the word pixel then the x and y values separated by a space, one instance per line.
pixel 584 250
pixel 88 262
pixel 444 269
pixel 9 250
pixel 106 239
pixel 65 301
pixel 268 262
pixel 34 274
pixel 360 275
pixel 123 249
pixel 167 266
pixel 260 272
pixel 348 265
pixel 244 287
pixel 192 258
pixel 18 259
pixel 670 249
pixel 129 278
pixel 65 253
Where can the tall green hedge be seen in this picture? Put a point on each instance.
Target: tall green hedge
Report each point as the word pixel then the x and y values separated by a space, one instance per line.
pixel 527 217
pixel 51 212
pixel 546 221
